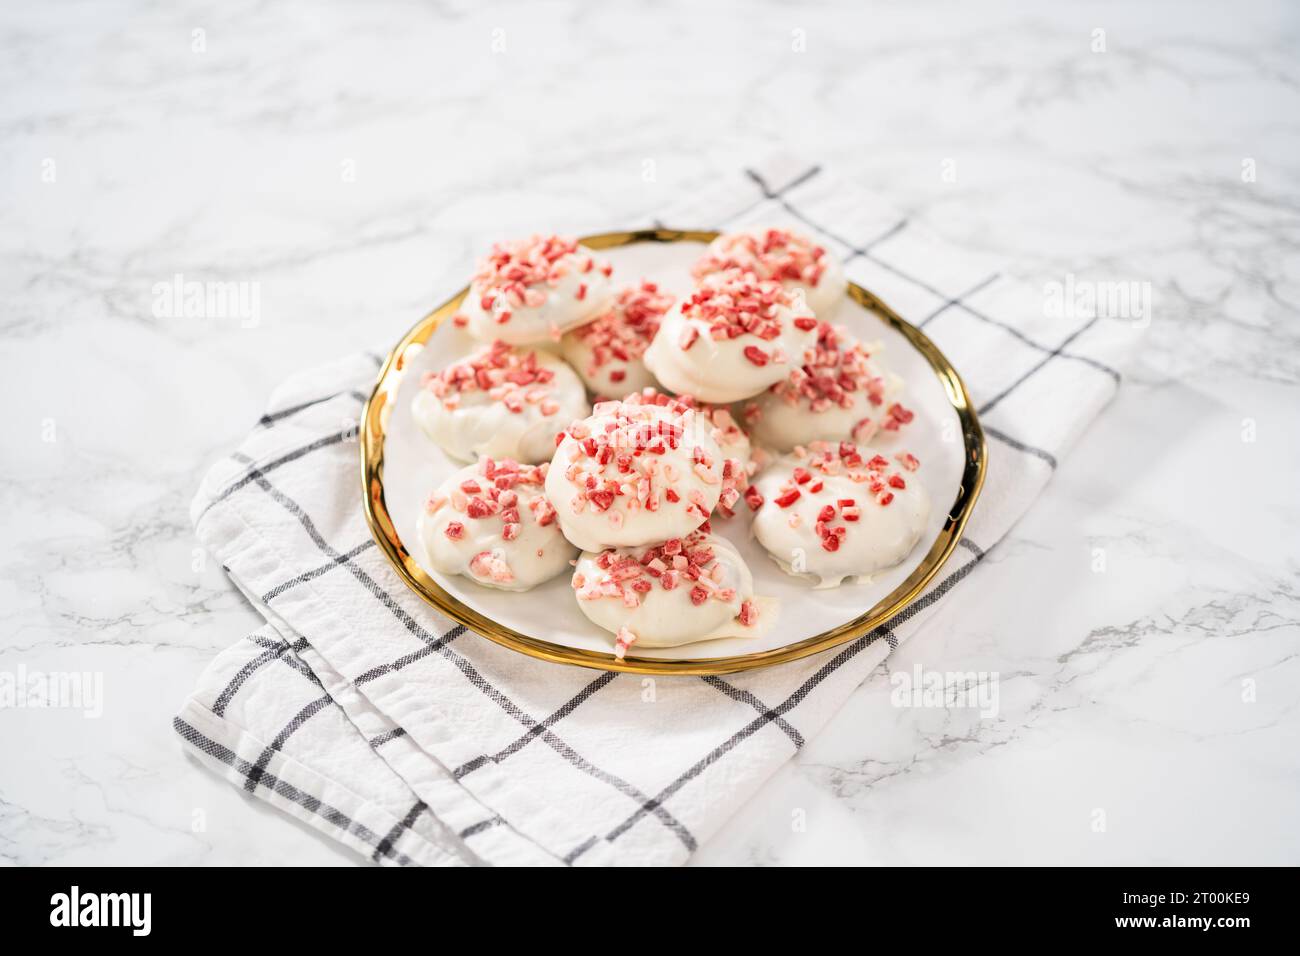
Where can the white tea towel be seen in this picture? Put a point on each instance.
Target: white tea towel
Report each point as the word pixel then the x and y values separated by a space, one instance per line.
pixel 364 712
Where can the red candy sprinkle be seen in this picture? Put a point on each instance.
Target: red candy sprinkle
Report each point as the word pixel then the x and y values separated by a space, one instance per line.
pixel 479 508
pixel 544 512
pixel 895 417
pixel 748 614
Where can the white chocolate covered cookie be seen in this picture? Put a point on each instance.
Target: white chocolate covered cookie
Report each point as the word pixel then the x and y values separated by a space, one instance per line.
pixel 664 595
pixel 832 511
pixel 634 474
pixel 840 393
pixel 502 402
pixel 608 352
pixel 491 522
pixel 735 336
pixel 792 259
pixel 534 290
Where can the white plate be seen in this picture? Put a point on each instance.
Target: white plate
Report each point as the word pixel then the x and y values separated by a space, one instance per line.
pixel 413 466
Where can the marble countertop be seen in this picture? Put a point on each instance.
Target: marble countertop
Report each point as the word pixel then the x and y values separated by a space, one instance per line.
pixel 348 158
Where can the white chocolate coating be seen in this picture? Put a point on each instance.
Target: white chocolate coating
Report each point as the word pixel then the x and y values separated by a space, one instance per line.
pixel 802 266
pixel 698 352
pixel 841 393
pixel 825 297
pixel 528 399
pixel 878 530
pixel 731 438
pixel 633 475
pixel 617 591
pixel 534 290
pixel 492 523
pixel 599 376
pixel 608 352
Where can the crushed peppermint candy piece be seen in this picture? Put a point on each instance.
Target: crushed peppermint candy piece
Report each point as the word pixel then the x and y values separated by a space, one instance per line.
pixel 896 416
pixel 491 565
pixel 625 640
pixel 787 498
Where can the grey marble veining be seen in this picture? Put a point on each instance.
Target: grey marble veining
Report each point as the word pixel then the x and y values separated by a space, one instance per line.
pixel 351 159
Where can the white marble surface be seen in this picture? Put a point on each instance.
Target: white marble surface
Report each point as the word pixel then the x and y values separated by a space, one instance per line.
pixel 1121 691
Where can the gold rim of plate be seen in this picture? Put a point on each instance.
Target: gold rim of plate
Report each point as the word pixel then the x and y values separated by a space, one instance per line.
pixel 375 419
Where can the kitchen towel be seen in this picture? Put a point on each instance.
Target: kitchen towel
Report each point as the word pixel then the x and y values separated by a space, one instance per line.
pixel 365 713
